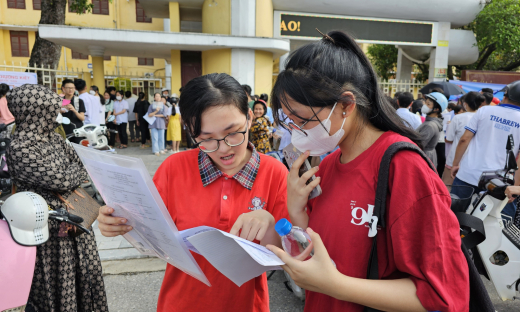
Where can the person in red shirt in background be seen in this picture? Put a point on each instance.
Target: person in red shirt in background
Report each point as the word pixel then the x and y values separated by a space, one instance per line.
pixel 225 184
pixel 330 91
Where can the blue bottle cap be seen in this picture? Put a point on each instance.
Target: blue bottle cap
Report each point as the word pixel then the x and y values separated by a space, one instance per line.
pixel 283 227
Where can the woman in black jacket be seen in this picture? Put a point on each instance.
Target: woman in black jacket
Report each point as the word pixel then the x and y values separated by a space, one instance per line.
pixel 140 109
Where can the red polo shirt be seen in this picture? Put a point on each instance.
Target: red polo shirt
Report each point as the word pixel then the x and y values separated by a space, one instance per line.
pixel 196 193
pixel 421 239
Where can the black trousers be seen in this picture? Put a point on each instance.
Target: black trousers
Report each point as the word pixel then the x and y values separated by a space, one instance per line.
pixel 440 149
pixel 135 131
pixel 145 132
pixel 123 136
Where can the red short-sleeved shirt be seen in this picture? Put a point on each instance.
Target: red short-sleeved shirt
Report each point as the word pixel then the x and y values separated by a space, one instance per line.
pixel 421 239
pixel 218 204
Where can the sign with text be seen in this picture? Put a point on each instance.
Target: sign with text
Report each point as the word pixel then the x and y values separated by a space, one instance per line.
pixel 16 79
pixel 303 26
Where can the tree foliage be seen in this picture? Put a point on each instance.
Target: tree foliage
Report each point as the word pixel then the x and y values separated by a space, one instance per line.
pixel 497 30
pixel 384 59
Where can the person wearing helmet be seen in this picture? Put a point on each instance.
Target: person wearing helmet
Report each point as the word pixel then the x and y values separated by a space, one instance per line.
pixel 67 273
pixel 485 141
pixel 431 129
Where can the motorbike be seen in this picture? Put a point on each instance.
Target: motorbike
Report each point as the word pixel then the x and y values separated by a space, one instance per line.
pixel 95 137
pixel 499 254
pixel 23 226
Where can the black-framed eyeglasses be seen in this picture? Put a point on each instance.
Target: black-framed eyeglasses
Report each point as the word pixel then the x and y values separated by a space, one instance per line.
pixel 290 126
pixel 233 139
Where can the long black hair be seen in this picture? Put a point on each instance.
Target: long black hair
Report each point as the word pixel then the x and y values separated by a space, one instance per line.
pixel 208 91
pixel 101 98
pixel 318 73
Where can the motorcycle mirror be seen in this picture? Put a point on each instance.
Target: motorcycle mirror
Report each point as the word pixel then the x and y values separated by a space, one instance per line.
pixel 65 121
pixel 511 161
pixel 510 142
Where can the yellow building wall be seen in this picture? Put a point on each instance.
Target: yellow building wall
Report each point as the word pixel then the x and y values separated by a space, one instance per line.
pixel 216 17
pixel 264 18
pixel 263 72
pixel 216 61
pixel 125 17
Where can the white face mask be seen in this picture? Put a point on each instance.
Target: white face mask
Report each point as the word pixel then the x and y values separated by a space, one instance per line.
pixel 425 109
pixel 318 141
pixel 118 98
pixel 92 92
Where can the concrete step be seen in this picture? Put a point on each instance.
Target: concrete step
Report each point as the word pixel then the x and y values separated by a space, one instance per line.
pixel 133 266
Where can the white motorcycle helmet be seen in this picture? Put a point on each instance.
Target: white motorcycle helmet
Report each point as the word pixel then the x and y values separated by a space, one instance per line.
pixel 27 215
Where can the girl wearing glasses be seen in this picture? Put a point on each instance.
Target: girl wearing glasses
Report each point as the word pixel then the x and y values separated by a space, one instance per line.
pixel 226 184
pixel 330 91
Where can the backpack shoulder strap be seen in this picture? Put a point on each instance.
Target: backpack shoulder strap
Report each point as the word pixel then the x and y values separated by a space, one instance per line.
pixel 380 202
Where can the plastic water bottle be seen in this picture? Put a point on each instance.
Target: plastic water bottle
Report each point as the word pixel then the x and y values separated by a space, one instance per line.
pixel 294 239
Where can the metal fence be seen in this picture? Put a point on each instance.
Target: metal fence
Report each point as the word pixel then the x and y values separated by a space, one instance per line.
pixel 53 77
pixel 390 87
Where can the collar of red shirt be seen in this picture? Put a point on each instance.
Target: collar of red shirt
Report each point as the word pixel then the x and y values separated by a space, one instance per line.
pixel 246 176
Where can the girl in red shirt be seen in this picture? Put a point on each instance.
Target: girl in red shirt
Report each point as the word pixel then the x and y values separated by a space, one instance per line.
pixel 330 91
pixel 225 184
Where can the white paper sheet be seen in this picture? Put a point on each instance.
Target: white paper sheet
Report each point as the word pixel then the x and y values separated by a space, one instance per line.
pixel 126 186
pixel 238 259
pixel 149 120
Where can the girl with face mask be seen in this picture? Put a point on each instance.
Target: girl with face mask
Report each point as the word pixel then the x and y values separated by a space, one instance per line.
pixel 432 128
pixel 158 110
pixel 219 183
pixel 330 92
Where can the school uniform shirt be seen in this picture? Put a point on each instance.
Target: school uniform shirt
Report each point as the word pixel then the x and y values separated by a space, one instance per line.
pixel 487 149
pixel 197 193
pixel 411 120
pixel 456 129
pixel 421 240
pixel 118 107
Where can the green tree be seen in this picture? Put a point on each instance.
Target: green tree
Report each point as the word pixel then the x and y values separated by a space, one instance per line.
pixel 48 53
pixel 497 30
pixel 384 59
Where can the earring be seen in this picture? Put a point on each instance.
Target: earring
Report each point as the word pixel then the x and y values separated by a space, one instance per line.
pixel 344 113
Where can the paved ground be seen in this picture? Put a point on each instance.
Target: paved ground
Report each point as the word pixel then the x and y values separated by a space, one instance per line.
pixel 131 286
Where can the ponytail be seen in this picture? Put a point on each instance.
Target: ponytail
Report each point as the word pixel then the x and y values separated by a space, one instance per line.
pixel 318 73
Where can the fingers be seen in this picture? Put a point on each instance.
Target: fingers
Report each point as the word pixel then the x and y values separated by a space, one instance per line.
pixel 312 185
pixel 307 175
pixel 237 226
pixel 297 164
pixel 306 253
pixel 285 257
pixel 319 248
pixel 109 225
pixel 252 228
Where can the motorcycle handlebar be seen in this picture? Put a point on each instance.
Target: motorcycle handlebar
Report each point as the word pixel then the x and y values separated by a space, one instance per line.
pixel 64 216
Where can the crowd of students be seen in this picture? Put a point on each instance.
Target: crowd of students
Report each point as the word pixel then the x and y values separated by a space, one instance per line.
pixel 326 101
pixel 124 112
pixel 449 133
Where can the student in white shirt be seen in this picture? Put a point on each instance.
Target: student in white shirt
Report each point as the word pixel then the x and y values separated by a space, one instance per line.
pixel 93 106
pixel 471 103
pixel 121 113
pixel 132 121
pixel 404 101
pixel 485 141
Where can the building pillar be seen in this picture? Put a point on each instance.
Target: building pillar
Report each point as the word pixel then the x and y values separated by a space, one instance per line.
pixel 243 23
pixel 2 53
pixel 439 55
pixel 404 67
pixel 173 68
pixel 264 15
pixel 98 66
pixel 216 19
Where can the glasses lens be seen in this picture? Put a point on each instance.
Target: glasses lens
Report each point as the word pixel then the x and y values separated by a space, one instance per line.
pixel 234 139
pixel 208 146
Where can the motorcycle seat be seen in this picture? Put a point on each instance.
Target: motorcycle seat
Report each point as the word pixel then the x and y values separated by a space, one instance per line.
pixel 512 233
